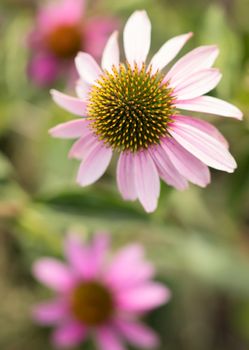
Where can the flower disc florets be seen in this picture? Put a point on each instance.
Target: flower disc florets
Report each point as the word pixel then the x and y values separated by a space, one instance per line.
pixel 130 108
pixel 91 303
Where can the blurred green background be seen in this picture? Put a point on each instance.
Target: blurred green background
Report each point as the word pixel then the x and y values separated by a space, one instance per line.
pixel 198 239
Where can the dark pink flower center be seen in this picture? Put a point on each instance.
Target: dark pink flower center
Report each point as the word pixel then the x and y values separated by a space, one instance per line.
pixel 130 108
pixel 92 303
pixel 64 41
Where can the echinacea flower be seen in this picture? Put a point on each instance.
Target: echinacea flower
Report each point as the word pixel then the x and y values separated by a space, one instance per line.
pixel 61 31
pixel 132 109
pixel 99 296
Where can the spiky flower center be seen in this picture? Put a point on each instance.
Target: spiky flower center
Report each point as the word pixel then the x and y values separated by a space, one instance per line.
pixel 130 108
pixel 64 41
pixel 92 303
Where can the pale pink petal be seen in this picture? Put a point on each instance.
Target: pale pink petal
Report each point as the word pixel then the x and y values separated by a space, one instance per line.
pixel 71 104
pixel 187 165
pixel 137 334
pixel 82 89
pixel 70 130
pixel 110 56
pixel 50 312
pixel 108 339
pixel 209 104
pixel 146 180
pixel 137 34
pixel 69 335
pixel 53 274
pixel 168 51
pixel 143 298
pixel 167 170
pixel 94 165
pixel 198 84
pixel 202 125
pixel 82 147
pixel 203 146
pixel 126 176
pixel 198 59
pixel 87 67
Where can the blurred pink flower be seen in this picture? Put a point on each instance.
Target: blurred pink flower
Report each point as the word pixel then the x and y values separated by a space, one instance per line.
pixel 61 31
pixel 98 296
pixel 133 109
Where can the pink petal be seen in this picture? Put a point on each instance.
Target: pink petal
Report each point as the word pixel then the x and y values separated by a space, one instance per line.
pixel 146 180
pixel 69 335
pixel 137 34
pixel 111 53
pixel 202 125
pixel 86 260
pixel 198 84
pixel 143 298
pixel 137 334
pixel 167 170
pixel 50 312
pixel 87 67
pixel 82 89
pixel 203 146
pixel 71 104
pixel 97 252
pixel 70 130
pixel 168 51
pixel 213 105
pixel 53 274
pixel 198 59
pixel 126 176
pixel 108 339
pixel 94 165
pixel 188 165
pixel 84 146
pixel 60 12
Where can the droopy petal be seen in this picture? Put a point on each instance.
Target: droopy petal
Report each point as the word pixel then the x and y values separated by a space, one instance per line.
pixel 198 84
pixel 50 312
pixel 187 165
pixel 70 130
pixel 126 176
pixel 198 59
pixel 209 104
pixel 87 67
pixel 143 298
pixel 83 146
pixel 71 104
pixel 203 146
pixel 108 339
pixel 168 51
pixel 111 53
pixel 202 125
pixel 137 334
pixel 75 253
pixel 146 180
pixel 137 34
pixel 69 334
pixel 167 170
pixel 94 165
pixel 53 274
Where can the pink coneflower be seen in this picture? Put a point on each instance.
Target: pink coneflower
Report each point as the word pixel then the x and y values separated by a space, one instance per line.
pixel 98 296
pixel 62 30
pixel 132 109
